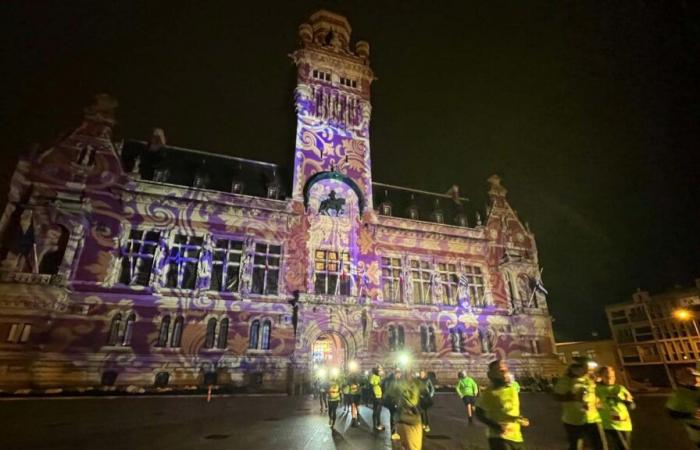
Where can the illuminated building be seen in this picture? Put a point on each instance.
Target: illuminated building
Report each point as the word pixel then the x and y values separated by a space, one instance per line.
pixel 141 263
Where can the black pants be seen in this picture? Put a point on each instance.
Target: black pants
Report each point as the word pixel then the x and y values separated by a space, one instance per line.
pixel 619 440
pixel 592 433
pixel 425 404
pixel 323 398
pixel 502 444
pixel 332 406
pixel 377 412
pixel 393 413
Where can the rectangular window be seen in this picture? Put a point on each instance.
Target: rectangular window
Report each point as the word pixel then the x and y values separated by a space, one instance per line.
pixel 266 269
pixel 420 279
pixel 137 257
pixel 226 265
pixel 447 276
pixel 643 334
pixel 19 333
pixel 391 279
pixel 183 262
pixel 476 285
pixel 331 272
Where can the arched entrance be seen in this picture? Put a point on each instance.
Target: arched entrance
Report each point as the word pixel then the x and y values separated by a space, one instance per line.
pixel 329 350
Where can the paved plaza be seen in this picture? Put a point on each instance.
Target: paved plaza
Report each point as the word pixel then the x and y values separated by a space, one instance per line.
pixel 275 422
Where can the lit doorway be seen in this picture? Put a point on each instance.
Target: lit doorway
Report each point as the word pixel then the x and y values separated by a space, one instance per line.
pixel 329 350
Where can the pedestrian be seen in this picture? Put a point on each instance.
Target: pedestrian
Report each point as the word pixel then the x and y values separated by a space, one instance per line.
pixel 615 402
pixel 391 399
pixel 333 401
pixel 323 395
pixel 375 381
pixel 427 392
pixel 467 389
pixel 576 390
pixel 498 407
pixel 684 403
pixel 408 417
pixel 354 394
pixel 346 395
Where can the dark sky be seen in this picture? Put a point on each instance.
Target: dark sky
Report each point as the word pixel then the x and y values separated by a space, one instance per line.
pixel 588 110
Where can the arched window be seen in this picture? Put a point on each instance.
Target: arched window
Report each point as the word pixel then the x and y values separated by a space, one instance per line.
pixel 222 340
pixel 253 336
pixel 401 339
pixel 164 331
pixel 424 338
pixel 129 329
pixel 431 339
pixel 211 332
pixel 266 328
pixel 113 337
pixel 392 338
pixel 456 340
pixel 177 332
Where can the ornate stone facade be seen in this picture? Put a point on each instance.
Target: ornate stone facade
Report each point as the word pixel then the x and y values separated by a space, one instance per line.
pixel 146 264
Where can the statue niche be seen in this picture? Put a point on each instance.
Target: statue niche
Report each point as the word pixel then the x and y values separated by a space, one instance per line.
pixel 332 206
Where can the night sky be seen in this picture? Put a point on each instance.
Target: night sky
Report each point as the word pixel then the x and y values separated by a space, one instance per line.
pixel 588 111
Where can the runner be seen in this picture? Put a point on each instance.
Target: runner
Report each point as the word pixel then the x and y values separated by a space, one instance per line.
pixel 333 400
pixel 498 408
pixel 615 399
pixel 427 391
pixel 467 389
pixel 375 381
pixel 576 390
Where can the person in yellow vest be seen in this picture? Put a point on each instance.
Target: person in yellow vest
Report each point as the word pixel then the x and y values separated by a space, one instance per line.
pixel 346 395
pixel 333 400
pixel 576 391
pixel 354 394
pixel 684 403
pixel 375 381
pixel 615 400
pixel 498 407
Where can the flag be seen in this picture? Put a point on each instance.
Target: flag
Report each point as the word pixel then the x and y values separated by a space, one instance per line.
pixel 538 286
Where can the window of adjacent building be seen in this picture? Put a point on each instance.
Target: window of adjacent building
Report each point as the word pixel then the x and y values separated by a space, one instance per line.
pixel 19 333
pixel 476 285
pixel 391 279
pixel 183 261
pixel 164 332
pixel 331 272
pixel 427 339
pixel 259 338
pixel 643 334
pixel 420 278
pixel 226 265
pixel 618 317
pixel 266 269
pixel 447 277
pixel 137 258
pixel 624 335
pixel 321 75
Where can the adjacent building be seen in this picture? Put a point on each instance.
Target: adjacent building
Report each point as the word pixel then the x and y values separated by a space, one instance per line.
pixel 602 351
pixel 656 334
pixel 142 263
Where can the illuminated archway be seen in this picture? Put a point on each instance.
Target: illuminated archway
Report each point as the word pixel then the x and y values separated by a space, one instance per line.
pixel 329 350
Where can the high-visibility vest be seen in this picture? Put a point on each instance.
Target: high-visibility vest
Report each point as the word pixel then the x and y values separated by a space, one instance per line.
pixel 333 393
pixel 354 389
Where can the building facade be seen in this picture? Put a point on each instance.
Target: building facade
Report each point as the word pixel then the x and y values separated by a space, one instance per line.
pixel 141 263
pixel 602 351
pixel 656 334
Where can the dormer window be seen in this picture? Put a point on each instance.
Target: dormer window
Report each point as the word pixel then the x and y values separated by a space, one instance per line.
pixel 439 217
pixel 201 180
pixel 161 175
pixel 273 191
pixel 413 212
pixel 348 82
pixel 237 187
pixel 461 220
pixel 386 209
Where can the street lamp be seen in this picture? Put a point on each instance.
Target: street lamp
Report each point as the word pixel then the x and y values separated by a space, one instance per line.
pixel 685 315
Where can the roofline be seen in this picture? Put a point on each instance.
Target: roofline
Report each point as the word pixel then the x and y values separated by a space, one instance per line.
pixel 218 155
pixel 417 191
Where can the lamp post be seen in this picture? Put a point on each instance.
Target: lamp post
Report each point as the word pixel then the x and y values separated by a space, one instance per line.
pixel 685 315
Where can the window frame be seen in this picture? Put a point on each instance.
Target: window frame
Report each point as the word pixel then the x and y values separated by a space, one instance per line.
pixel 181 263
pixel 128 252
pixel 266 267
pixel 322 271
pixel 226 263
pixel 424 267
pixel 392 280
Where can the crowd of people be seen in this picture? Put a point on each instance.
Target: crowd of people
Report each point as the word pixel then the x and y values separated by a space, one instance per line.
pixel 595 408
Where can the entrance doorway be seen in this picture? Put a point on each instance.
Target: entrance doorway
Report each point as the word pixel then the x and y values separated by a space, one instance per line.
pixel 329 350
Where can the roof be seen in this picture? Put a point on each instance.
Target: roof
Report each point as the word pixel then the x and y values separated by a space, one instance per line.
pixel 217 172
